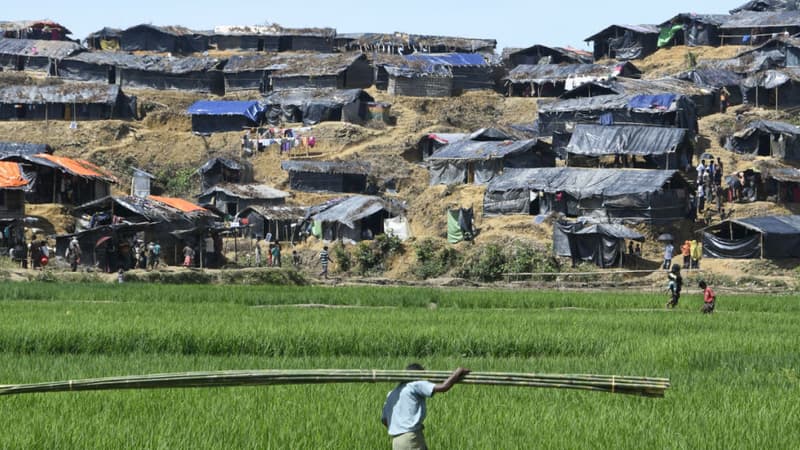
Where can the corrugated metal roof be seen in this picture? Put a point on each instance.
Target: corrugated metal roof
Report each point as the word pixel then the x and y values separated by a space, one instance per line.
pixel 80 93
pixel 48 49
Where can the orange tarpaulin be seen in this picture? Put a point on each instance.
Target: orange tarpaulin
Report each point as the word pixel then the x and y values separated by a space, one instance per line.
pixel 11 175
pixel 78 167
pixel 177 203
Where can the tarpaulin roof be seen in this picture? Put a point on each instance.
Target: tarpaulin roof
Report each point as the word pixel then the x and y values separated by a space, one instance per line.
pixel 177 203
pixel 405 40
pixel 30 47
pixel 448 59
pixel 784 174
pixel 149 209
pixel 770 79
pixel 577 55
pixel 769 224
pixel 353 209
pixel 247 191
pixel 419 71
pixel 225 162
pixel 447 138
pixel 287 64
pixel 769 126
pixel 17 25
pixel 301 96
pixel 613 230
pixel 339 167
pixel 710 77
pixel 749 63
pixel 596 103
pixel 174 30
pixel 470 150
pixel 272 30
pixel 79 93
pixel 149 63
pixel 11 176
pixel 22 148
pixel 295 213
pixel 106 32
pixel 777 43
pixel 761 5
pixel 76 167
pixel 252 110
pixel 711 19
pixel 751 19
pixel 542 73
pixel 632 86
pixel 644 29
pixel 583 183
pixel 596 140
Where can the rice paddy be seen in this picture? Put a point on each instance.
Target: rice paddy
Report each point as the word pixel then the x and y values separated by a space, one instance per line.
pixel 735 375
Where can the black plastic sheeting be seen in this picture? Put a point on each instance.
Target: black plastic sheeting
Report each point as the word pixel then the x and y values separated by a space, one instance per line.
pixel 555 117
pixel 762 5
pixel 767 138
pixel 22 148
pixel 602 244
pixel 604 193
pixel 312 106
pixel 770 237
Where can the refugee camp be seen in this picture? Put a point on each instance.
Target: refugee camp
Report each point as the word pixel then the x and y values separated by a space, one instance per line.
pixel 417 226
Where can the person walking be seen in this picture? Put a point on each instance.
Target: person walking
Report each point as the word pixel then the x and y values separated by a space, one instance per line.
pixel 156 255
pixel 693 252
pixel 675 285
pixel 188 256
pixel 405 408
pixel 669 250
pixel 324 259
pixel 74 253
pixel 709 298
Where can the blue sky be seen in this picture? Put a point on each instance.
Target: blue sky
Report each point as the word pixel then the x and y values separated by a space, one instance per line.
pixel 513 25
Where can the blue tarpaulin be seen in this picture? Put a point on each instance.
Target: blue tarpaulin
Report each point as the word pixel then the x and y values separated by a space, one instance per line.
pixel 658 101
pixel 252 110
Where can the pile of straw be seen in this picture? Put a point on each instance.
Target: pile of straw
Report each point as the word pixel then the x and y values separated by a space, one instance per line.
pixel 647 387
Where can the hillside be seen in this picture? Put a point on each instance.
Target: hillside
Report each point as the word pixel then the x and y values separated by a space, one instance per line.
pixel 163 144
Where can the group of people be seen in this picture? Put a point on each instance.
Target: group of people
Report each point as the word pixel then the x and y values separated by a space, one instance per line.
pixel 691 250
pixel 148 256
pixel 273 254
pixel 675 285
pixel 709 188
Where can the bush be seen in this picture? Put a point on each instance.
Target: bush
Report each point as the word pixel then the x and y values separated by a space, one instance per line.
pixel 342 257
pixel 489 264
pixel 368 259
pixel 434 260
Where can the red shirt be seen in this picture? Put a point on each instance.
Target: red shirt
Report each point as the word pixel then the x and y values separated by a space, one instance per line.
pixel 708 295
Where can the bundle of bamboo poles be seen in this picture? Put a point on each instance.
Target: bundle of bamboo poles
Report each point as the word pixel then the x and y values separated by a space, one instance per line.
pixel 647 387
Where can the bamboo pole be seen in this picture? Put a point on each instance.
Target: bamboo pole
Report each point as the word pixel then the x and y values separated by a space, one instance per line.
pixel 642 386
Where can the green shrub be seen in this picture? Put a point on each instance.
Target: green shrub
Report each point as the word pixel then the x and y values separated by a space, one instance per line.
pixel 368 258
pixel 433 260
pixel 342 257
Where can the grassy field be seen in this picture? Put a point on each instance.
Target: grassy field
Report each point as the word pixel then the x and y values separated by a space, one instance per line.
pixel 735 375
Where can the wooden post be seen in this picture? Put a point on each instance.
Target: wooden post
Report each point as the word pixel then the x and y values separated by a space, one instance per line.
pixel 55 184
pixel 776 98
pixel 762 245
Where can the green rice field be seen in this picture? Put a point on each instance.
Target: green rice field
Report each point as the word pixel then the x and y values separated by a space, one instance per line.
pixel 735 374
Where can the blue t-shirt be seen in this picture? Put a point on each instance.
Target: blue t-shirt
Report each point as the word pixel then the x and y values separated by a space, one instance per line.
pixel 405 409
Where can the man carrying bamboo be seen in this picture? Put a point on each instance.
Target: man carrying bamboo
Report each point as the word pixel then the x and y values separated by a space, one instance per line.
pixel 405 409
